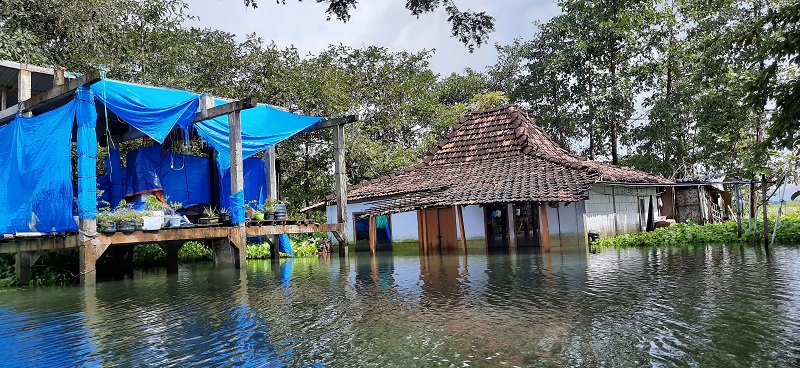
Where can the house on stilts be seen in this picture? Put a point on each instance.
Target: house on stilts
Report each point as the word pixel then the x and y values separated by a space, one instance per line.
pixel 500 178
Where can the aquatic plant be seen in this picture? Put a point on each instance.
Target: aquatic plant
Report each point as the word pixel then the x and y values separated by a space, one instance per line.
pixel 788 232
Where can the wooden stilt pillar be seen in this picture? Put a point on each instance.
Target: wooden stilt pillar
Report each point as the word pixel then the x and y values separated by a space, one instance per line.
pixel 225 254
pixel 373 235
pixel 3 99
pixel 461 228
pixel 89 249
pixel 238 236
pixel 752 206
pixel 340 177
pixel 545 229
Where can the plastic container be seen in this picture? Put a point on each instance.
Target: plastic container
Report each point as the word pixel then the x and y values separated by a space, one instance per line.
pixel 280 211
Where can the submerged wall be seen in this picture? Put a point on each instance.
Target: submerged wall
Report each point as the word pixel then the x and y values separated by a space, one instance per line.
pixel 404 224
pixel 566 225
pixel 613 210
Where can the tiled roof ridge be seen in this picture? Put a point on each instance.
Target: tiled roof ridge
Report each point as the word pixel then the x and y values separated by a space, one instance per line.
pixel 523 125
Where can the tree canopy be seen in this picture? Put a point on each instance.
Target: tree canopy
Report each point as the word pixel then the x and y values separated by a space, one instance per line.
pixel 470 27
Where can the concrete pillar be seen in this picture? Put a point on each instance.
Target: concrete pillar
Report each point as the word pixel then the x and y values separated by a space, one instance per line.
pixel 225 254
pixel 512 230
pixel 172 249
pixel 238 235
pixel 90 248
pixel 22 267
pixel 24 87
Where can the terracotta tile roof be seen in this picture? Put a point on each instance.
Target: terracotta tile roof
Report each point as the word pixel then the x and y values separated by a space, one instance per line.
pixel 493 156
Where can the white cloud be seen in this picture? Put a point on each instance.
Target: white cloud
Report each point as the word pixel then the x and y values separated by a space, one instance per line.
pixel 383 23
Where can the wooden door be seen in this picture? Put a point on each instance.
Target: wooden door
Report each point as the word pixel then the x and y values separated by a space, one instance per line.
pixel 437 228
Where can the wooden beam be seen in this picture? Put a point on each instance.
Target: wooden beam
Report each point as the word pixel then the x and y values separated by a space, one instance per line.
pixel 226 109
pixel 51 94
pixel 330 123
pixel 340 178
pixel 58 77
pixel 24 66
pixel 512 231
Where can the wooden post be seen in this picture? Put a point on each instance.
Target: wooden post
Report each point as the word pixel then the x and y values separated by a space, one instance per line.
pixel 24 88
pixel 764 204
pixel 614 207
pixel 340 177
pixel 207 102
pixel 22 267
pixel 545 228
pixel 461 227
pixel 3 99
pixel 238 233
pixel 512 231
pixel 171 249
pixel 373 235
pixel 272 192
pixel 752 205
pixel 737 190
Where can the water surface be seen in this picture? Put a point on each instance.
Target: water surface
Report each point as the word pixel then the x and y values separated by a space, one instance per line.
pixel 714 306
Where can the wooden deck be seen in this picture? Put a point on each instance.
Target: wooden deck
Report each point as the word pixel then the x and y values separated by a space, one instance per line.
pixel 58 241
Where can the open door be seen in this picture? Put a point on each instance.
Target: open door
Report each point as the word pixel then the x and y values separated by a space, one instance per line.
pixel 437 228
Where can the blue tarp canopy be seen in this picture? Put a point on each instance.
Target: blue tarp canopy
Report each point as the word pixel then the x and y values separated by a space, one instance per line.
pixel 36 190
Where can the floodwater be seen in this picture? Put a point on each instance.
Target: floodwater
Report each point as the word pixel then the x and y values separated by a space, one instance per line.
pixel 715 306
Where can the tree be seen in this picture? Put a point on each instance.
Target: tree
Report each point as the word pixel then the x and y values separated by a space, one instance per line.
pixel 470 27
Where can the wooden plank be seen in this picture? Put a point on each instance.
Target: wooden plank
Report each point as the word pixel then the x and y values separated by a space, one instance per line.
pixel 51 94
pixel 461 227
pixel 331 123
pixel 292 229
pixel 340 178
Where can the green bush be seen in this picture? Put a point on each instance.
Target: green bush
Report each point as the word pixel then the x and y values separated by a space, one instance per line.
pixel 680 234
pixel 195 252
pixel 149 255
pixel 258 250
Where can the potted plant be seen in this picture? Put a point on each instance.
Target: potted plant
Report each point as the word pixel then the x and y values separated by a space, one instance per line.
pixel 106 222
pixel 154 220
pixel 269 208
pixel 253 213
pixel 211 217
pixel 224 216
pixel 174 220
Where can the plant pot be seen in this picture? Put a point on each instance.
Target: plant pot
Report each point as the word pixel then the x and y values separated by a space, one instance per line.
pixel 208 220
pixel 258 216
pixel 109 228
pixel 269 215
pixel 225 218
pixel 280 211
pixel 126 226
pixel 173 221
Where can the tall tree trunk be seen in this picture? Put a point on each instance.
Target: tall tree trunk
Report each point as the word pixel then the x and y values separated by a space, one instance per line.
pixel 615 116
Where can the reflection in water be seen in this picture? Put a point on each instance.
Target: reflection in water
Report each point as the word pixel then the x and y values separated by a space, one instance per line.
pixel 705 306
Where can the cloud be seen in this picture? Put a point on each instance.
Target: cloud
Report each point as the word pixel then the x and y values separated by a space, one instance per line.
pixel 384 23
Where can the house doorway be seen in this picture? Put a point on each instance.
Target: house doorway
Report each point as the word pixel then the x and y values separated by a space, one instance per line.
pixel 526 224
pixel 437 228
pixel 361 233
pixel 496 219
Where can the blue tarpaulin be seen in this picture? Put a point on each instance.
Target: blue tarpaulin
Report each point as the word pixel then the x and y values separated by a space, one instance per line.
pixel 35 172
pixel 183 178
pixel 152 110
pixel 255 183
pixel 262 126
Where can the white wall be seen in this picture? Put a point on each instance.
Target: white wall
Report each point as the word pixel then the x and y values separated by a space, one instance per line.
pixel 604 200
pixel 404 224
pixel 566 224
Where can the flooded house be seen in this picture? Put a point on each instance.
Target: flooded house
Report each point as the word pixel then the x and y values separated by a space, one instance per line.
pixel 500 178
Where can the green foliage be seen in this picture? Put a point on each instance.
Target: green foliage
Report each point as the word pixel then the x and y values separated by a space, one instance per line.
pixel 7 276
pixel 258 251
pixel 149 255
pixel 723 233
pixel 195 252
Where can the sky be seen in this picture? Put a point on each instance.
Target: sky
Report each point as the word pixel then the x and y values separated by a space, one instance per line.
pixel 384 23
